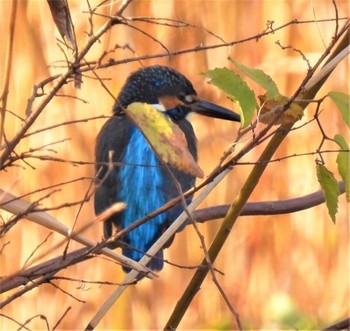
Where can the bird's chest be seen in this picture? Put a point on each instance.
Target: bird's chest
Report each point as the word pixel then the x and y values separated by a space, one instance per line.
pixel 140 165
pixel 141 179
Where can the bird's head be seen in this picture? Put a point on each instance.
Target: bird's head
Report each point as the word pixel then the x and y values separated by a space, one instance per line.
pixel 170 92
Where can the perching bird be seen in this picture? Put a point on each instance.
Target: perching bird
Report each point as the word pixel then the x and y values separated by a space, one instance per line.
pixel 139 179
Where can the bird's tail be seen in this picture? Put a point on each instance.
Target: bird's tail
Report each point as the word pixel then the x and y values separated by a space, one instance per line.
pixel 156 263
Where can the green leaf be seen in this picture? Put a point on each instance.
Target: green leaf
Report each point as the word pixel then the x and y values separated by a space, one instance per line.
pixel 330 189
pixel 165 137
pixel 343 164
pixel 236 89
pixel 261 78
pixel 342 101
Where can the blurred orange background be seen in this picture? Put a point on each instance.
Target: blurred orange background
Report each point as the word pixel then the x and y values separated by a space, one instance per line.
pixel 289 271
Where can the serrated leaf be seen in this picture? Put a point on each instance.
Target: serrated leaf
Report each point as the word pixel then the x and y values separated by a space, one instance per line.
pixel 269 107
pixel 236 89
pixel 342 101
pixel 343 164
pixel 261 78
pixel 330 189
pixel 165 137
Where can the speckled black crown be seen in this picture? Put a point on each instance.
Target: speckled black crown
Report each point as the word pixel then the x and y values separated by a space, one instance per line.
pixel 151 83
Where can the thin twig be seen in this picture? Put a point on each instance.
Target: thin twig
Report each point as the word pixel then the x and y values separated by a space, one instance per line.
pixel 7 71
pixel 61 318
pixel 13 320
pixel 94 64
pixel 202 215
pixel 247 189
pixel 65 292
pixel 35 250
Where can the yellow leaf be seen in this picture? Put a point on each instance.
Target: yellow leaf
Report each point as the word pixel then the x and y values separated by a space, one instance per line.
pixel 269 108
pixel 165 137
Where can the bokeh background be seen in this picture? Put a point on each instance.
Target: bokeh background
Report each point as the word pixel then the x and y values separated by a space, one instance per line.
pixel 280 272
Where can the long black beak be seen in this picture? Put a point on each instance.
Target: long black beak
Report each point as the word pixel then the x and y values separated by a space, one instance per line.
pixel 210 109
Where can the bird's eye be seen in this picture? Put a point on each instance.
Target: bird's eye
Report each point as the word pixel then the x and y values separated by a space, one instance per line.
pixel 187 98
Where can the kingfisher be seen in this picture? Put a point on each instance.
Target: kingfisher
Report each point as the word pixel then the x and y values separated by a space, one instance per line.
pixel 139 178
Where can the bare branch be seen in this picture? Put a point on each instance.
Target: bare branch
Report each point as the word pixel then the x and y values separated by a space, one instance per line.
pixel 201 215
pixel 342 325
pixel 86 66
pixel 8 66
pixel 13 320
pixel 42 95
pixel 61 318
pixel 17 207
pixel 295 50
pixel 65 292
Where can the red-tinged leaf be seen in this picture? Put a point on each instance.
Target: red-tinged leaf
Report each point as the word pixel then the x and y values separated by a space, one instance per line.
pixel 165 137
pixel 269 108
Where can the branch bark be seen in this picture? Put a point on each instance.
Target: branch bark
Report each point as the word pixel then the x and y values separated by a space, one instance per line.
pixel 54 265
pixel 342 325
pixel 250 184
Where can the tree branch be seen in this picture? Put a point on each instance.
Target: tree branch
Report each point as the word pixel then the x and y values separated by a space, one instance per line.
pixel 251 182
pixel 342 325
pixel 54 265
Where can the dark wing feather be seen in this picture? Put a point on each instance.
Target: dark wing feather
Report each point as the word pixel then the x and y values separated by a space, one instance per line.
pixel 112 137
